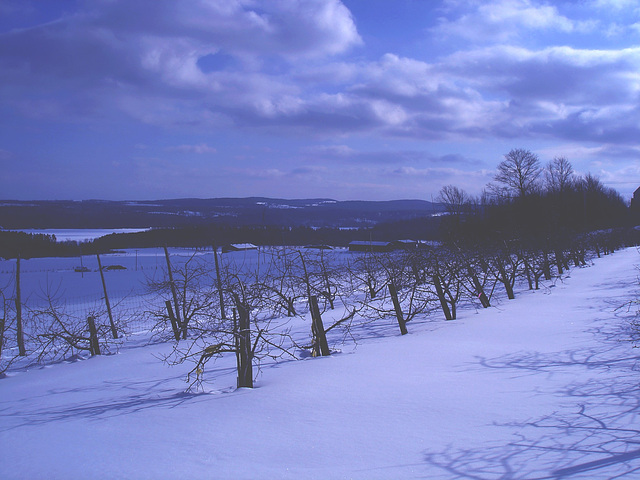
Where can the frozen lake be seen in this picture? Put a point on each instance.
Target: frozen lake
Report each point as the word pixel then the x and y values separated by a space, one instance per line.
pixel 38 275
pixel 58 274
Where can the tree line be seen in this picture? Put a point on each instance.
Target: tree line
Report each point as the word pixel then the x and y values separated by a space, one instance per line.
pixel 27 245
pixel 527 199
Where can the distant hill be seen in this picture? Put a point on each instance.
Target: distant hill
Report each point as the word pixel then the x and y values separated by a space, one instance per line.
pixel 317 212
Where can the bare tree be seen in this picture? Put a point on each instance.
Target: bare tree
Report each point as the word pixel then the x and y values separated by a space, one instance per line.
pixel 367 269
pixel 192 287
pixel 446 273
pixel 559 175
pixel 254 332
pixel 284 281
pixel 517 174
pixel 455 200
pixel 59 334
pixel 506 265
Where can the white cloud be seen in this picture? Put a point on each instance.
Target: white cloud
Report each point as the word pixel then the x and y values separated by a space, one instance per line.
pixel 331 150
pixel 615 4
pixel 502 20
pixel 148 68
pixel 200 149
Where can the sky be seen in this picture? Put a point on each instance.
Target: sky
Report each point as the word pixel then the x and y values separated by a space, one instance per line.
pixel 352 99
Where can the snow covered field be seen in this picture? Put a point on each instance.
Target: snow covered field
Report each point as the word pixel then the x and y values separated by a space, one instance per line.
pixel 541 387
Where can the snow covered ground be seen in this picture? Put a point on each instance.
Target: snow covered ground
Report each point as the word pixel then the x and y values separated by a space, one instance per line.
pixel 541 387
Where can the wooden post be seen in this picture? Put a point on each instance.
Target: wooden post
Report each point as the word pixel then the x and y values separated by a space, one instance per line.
pixel 219 283
pixel 19 331
pixel 114 332
pixel 93 336
pixel 320 345
pixel 174 294
pixel 174 323
pixel 245 372
pixel 396 305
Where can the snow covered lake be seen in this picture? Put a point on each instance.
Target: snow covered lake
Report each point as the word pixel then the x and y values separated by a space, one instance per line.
pixel 541 387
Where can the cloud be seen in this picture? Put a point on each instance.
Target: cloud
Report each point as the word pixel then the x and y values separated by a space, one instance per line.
pixel 330 151
pixel 615 4
pixel 503 20
pixel 201 148
pixel 118 49
pixel 114 57
pixel 555 74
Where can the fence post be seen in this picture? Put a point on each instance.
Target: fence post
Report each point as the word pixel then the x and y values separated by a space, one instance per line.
pixel 219 282
pixel 396 305
pixel 174 324
pixel 174 294
pixel 114 332
pixel 19 332
pixel 93 336
pixel 320 345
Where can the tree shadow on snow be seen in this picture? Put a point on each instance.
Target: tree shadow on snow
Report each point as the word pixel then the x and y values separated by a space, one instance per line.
pixel 130 398
pixel 595 435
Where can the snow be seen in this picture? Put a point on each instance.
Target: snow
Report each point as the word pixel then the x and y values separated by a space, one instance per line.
pixel 543 386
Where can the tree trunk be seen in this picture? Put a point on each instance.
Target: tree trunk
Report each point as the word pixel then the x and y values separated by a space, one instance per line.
pixel 172 318
pixel 320 345
pixel 291 310
pixel 559 262
pixel 245 361
pixel 441 297
pixel 527 271
pixel 504 278
pixel 93 336
pixel 484 300
pixel 396 305
pixel 546 268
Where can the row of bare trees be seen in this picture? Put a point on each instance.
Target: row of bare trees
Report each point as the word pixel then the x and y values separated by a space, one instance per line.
pixel 211 305
pixel 340 293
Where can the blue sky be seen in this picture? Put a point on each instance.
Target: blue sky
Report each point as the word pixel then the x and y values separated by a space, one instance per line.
pixel 359 99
